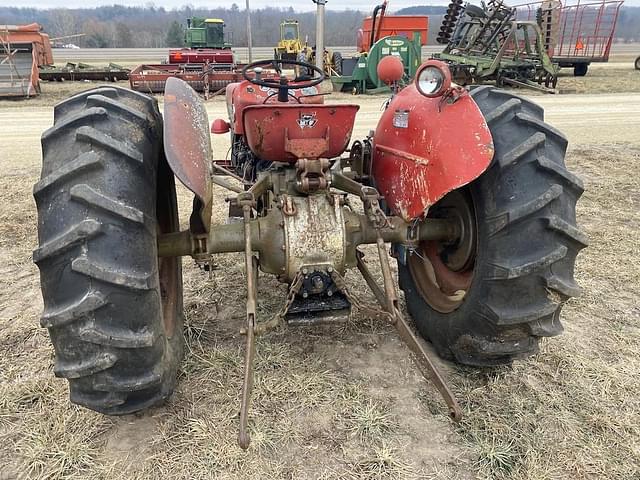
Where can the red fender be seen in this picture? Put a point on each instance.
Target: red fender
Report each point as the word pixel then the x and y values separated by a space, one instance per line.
pixel 426 147
pixel 187 144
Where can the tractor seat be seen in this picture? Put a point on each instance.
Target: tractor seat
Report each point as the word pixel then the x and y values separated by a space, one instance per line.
pixel 288 132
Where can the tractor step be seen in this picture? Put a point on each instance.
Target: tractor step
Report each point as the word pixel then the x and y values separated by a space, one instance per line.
pixel 318 310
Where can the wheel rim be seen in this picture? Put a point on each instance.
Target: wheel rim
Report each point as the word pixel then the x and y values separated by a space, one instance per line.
pixel 168 267
pixel 443 271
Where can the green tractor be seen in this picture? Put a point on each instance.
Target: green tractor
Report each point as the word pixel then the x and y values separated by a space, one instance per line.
pixel 204 43
pixel 205 33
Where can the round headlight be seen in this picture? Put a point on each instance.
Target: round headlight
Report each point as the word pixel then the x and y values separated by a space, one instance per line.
pixel 430 80
pixel 433 78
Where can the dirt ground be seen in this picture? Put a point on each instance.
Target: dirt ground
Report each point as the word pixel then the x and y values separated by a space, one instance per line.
pixel 346 402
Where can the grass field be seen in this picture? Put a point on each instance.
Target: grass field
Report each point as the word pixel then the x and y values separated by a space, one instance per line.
pixel 346 402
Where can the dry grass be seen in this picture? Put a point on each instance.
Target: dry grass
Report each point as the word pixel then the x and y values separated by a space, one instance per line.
pixel 607 79
pixel 340 403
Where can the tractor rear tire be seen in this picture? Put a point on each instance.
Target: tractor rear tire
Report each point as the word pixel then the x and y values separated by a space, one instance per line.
pixel 637 63
pixel 519 263
pixel 580 69
pixel 112 307
pixel 336 61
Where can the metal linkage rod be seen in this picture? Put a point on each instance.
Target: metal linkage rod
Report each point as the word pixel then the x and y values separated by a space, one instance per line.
pixel 251 268
pixel 388 300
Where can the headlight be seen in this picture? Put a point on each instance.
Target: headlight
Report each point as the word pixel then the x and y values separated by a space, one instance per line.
pixel 433 78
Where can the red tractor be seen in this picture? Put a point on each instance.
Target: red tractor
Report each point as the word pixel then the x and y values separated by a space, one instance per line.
pixel 469 189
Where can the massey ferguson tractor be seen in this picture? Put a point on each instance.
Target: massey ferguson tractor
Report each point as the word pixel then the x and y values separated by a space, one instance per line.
pixel 466 190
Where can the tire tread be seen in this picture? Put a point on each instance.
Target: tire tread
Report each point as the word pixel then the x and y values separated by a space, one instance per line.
pixel 524 273
pixel 102 298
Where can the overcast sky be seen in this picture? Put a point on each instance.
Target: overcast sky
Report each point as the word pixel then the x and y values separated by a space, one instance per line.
pixel 365 5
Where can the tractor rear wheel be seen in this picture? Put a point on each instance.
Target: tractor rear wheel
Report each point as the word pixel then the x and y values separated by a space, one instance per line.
pixel 489 298
pixel 580 69
pixel 637 63
pixel 336 62
pixel 112 307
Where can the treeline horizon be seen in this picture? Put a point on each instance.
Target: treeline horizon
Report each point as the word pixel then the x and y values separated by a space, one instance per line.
pixel 119 26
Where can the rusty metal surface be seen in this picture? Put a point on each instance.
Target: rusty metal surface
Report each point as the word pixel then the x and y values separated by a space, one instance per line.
pixel 426 147
pixel 31 35
pixel 245 94
pixel 287 132
pixel 187 142
pixel 314 233
pixel 150 78
pixel 250 353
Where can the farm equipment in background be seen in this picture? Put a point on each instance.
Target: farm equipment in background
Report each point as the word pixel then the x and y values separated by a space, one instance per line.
pixel 84 71
pixel 153 78
pixel 204 77
pixel 291 47
pixel 204 43
pixel 26 58
pixel 382 35
pixel 206 63
pixel 575 35
pixel 56 42
pixel 23 48
pixel 488 44
pixel 469 188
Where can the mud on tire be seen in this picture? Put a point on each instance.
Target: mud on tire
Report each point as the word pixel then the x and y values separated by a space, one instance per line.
pixel 526 243
pixel 112 307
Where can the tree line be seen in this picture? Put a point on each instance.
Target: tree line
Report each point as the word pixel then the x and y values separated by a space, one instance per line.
pixel 153 27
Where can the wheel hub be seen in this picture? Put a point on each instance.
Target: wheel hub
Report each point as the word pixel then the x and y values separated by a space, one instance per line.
pixel 443 270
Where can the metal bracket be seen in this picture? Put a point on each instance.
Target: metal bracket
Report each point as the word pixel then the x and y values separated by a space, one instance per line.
pixel 250 352
pixel 388 300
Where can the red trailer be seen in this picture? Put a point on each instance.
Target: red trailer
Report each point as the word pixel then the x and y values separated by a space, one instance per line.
pixel 392 25
pixel 575 34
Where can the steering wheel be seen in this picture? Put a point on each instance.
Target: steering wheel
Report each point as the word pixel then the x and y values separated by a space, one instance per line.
pixel 282 84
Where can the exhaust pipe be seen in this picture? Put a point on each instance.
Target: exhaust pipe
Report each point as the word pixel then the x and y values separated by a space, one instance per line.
pixel 320 33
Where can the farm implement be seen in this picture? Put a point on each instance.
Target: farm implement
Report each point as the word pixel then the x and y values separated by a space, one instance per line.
pixel 489 44
pixel 26 58
pixel 83 71
pixel 466 190
pixel 382 35
pixel 291 47
pixel 525 45
pixel 206 63
pixel 577 34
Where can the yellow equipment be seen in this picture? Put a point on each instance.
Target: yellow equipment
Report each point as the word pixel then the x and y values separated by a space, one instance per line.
pixel 291 47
